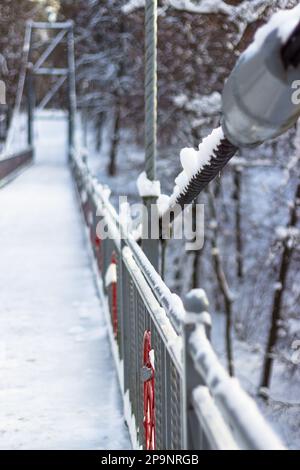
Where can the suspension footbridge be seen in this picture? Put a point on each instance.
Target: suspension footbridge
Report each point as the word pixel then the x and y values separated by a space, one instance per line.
pixel 92 336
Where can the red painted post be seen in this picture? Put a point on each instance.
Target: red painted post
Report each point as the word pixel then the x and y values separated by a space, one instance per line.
pixel 149 395
pixel 98 247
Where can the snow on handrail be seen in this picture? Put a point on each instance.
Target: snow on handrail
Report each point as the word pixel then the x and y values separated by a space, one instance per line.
pixel 239 411
pixel 212 421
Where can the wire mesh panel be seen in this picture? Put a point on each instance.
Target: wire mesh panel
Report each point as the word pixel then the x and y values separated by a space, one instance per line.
pixel 126 332
pixel 141 321
pixel 121 306
pixel 168 395
pixel 175 408
pixel 106 258
pixel 133 353
pixel 159 388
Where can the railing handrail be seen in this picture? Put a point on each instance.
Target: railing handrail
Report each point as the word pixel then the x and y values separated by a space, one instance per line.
pixel 231 418
pixel 240 412
pixel 13 154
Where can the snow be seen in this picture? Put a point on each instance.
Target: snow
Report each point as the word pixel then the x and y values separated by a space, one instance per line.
pixel 178 307
pixel 294 325
pixel 284 22
pixel 201 6
pixel 289 235
pixel 105 192
pixel 137 232
pixel 281 233
pixel 163 202
pixel 18 127
pixel 59 388
pixel 280 410
pixel 132 5
pixel 189 161
pixel 200 104
pixel 146 187
pixel 131 421
pixel 247 11
pixel 111 274
pixel 207 147
pixel 198 295
pixel 232 401
pixel 152 358
pixel 211 418
pixel 84 196
pixel 193 161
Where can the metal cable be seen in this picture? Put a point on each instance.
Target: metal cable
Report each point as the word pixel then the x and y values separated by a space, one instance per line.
pixel 224 152
pixel 150 88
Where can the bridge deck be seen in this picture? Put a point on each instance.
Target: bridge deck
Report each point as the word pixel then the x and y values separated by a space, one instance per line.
pixel 58 386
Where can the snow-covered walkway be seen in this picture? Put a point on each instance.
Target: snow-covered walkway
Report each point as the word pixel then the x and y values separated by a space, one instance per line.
pixel 58 386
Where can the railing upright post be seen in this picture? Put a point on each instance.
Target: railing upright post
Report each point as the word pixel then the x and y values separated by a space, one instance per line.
pixel 30 104
pixel 196 305
pixel 150 246
pixel 122 281
pixel 71 88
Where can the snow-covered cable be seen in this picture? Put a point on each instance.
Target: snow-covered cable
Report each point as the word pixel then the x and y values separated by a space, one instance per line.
pixel 146 187
pixel 150 88
pixel 200 167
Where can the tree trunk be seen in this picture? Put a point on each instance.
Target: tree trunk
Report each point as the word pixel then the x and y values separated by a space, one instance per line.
pixel 115 141
pixel 163 253
pixel 237 176
pixel 195 274
pixel 228 306
pixel 278 299
pixel 99 129
pixel 223 284
pixel 197 253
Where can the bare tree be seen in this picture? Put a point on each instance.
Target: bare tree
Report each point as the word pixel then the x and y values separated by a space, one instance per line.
pixel 237 194
pixel 221 280
pixel 115 140
pixel 280 289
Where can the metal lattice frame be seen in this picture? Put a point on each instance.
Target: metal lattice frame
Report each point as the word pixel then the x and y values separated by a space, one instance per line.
pixel 44 66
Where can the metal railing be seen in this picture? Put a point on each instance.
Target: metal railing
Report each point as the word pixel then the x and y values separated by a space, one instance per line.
pixel 177 395
pixel 11 164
